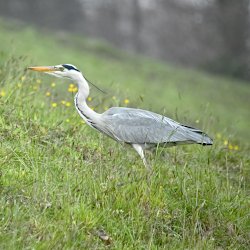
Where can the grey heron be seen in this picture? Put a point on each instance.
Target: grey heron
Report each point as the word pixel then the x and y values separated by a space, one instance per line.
pixel 139 128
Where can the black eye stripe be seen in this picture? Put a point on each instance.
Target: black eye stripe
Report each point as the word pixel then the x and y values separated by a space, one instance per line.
pixel 70 67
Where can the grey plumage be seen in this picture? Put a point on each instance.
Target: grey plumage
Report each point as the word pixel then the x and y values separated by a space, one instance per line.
pixel 136 126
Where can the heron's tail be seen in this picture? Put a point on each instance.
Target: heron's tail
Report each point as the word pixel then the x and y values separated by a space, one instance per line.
pixel 205 140
pixel 199 137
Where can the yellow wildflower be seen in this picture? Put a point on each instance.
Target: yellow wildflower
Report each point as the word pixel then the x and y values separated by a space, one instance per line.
pixel 236 147
pixel 126 101
pixel 23 78
pixel 225 142
pixel 72 89
pixel 114 97
pixel 53 84
pixel 63 102
pixel 54 104
pixel 67 104
pixel 92 108
pixel 2 93
pixel 230 146
pixel 48 93
pixel 67 120
pixel 71 85
pixel 35 87
pixel 19 85
pixel 89 99
pixel 38 81
pixel 218 135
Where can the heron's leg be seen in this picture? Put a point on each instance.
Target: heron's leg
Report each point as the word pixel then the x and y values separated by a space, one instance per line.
pixel 138 148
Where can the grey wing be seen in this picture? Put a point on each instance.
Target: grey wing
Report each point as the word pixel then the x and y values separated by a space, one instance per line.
pixel 138 126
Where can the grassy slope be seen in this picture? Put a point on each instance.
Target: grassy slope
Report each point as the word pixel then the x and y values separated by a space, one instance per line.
pixel 61 181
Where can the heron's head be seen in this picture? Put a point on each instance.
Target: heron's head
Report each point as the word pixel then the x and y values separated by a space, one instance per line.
pixel 68 71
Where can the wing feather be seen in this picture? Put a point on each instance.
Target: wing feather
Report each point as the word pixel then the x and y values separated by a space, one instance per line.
pixel 145 127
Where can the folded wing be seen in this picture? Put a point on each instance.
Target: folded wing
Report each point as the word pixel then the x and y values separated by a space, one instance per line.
pixel 145 127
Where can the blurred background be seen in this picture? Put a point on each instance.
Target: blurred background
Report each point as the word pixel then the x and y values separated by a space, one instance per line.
pixel 212 35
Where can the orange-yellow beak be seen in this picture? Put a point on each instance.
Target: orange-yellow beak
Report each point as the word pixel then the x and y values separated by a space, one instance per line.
pixel 43 68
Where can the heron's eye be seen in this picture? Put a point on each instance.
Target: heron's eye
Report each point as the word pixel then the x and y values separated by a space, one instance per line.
pixel 61 68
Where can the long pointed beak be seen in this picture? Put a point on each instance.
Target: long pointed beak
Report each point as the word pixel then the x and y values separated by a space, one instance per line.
pixel 43 68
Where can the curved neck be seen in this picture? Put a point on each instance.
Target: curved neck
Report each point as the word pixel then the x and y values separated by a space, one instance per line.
pixel 83 109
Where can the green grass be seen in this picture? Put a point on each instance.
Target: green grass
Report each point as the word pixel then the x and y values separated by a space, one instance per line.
pixel 61 182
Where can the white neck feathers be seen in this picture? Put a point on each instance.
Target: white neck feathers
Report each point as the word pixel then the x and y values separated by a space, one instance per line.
pixel 89 115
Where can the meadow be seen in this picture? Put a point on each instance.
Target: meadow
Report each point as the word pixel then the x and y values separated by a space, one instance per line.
pixel 65 186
